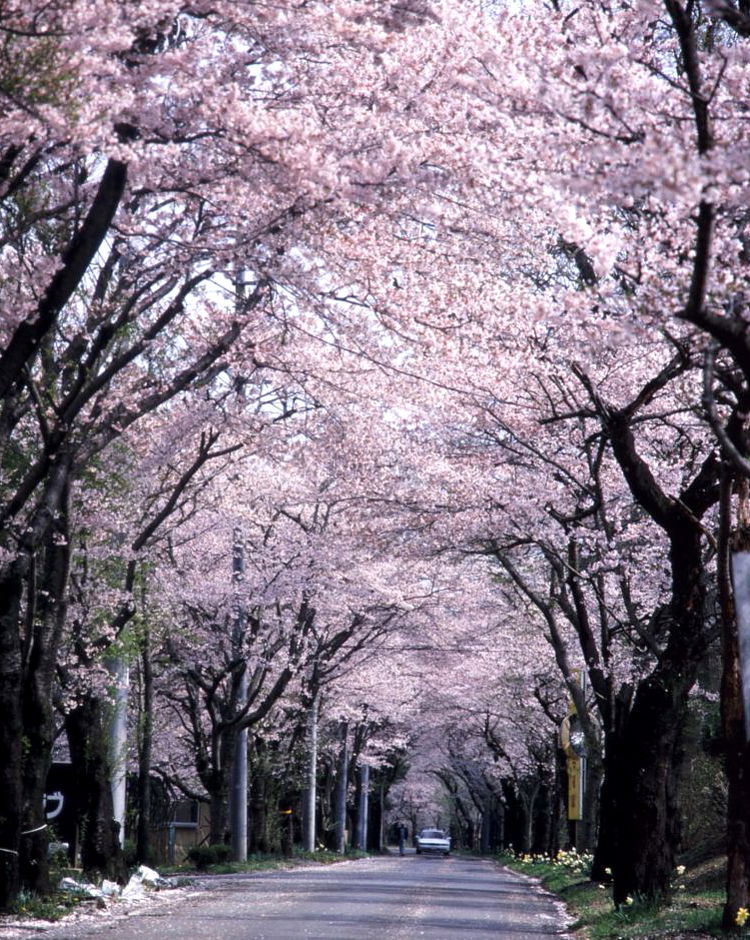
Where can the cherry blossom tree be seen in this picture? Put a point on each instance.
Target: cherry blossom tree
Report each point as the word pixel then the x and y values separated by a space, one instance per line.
pixel 475 258
pixel 133 196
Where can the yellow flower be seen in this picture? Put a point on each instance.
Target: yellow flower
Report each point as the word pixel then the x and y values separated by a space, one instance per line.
pixel 628 900
pixel 741 916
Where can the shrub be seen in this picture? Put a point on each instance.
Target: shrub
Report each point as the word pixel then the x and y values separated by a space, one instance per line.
pixel 202 856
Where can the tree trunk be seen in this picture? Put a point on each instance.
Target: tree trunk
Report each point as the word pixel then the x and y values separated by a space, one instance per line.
pixel 46 613
pixel 11 734
pixel 528 801
pixel 38 738
pixel 100 844
pixel 375 820
pixel 238 792
pixel 604 853
pixel 485 826
pixel 217 783
pixel 650 756
pixel 218 798
pixel 260 797
pixel 646 789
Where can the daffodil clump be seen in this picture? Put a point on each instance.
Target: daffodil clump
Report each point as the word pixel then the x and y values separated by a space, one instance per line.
pixel 676 883
pixel 570 859
pixel 741 916
pixel 574 861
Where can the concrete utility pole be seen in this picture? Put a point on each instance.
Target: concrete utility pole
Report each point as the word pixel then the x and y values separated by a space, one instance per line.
pixel 238 792
pixel 120 672
pixel 364 806
pixel 311 790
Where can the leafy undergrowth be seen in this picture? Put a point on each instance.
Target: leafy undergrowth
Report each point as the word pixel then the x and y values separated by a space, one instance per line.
pixel 51 908
pixel 694 912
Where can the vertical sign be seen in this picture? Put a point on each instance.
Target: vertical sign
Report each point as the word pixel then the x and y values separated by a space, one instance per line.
pixel 60 806
pixel 575 788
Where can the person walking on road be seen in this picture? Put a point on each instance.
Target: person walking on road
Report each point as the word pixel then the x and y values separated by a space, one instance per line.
pixel 402 834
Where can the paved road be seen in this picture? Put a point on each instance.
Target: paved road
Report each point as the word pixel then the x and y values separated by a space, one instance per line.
pixel 387 897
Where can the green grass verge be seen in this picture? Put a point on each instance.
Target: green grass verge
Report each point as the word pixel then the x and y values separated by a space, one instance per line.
pixel 694 912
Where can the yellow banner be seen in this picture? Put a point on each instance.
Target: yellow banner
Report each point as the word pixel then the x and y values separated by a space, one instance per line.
pixel 575 796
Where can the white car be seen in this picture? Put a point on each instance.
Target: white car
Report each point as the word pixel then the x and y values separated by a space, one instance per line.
pixel 433 840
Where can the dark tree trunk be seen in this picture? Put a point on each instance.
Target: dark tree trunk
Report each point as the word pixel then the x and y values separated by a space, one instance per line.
pixel 11 734
pixel 89 750
pixel 650 754
pixel 39 737
pixel 604 853
pixel 485 832
pixel 47 611
pixel 514 821
pixel 342 786
pixel 217 783
pixel 259 793
pixel 29 641
pixel 646 788
pixel 375 817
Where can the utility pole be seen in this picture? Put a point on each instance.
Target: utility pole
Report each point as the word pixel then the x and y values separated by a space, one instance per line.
pixel 364 798
pixel 238 791
pixel 119 741
pixel 311 790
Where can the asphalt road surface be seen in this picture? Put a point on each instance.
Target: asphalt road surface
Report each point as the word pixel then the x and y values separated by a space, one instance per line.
pixel 385 897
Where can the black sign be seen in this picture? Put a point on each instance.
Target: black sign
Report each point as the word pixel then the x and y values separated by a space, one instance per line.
pixel 60 806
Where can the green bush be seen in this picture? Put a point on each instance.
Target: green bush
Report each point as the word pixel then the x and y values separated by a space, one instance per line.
pixel 203 856
pixel 130 852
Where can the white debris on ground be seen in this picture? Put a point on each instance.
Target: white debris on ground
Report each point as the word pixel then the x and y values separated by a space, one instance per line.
pixel 135 889
pixel 108 899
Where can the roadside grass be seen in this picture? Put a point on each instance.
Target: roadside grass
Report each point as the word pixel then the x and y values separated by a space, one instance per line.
pixel 52 908
pixel 694 912
pixel 262 862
